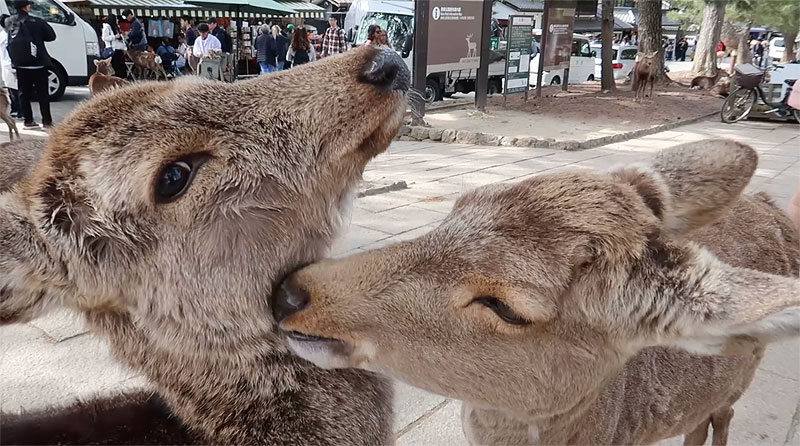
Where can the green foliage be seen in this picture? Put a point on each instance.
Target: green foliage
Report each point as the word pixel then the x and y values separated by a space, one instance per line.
pixel 781 14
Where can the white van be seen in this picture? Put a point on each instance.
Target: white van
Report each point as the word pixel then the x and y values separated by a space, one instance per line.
pixel 623 59
pixel 74 50
pixel 581 64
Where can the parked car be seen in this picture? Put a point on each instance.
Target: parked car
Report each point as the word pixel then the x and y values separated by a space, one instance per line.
pixel 74 50
pixel 624 56
pixel 581 64
pixel 777 46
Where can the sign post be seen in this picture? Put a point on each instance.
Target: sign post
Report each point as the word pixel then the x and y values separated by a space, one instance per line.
pixel 482 81
pixel 559 20
pixel 518 55
pixel 420 62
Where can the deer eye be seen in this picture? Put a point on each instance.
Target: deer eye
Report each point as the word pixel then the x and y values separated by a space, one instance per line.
pixel 174 179
pixel 502 310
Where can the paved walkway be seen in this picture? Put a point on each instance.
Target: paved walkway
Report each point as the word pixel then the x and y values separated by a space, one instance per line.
pixel 53 360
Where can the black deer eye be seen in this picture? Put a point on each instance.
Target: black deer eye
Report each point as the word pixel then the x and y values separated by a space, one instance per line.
pixel 173 180
pixel 502 310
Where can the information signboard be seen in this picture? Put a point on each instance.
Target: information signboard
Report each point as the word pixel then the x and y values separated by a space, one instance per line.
pixel 454 34
pixel 558 38
pixel 518 54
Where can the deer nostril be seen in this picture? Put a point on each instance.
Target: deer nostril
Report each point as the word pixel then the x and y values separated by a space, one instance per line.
pixel 289 299
pixel 387 71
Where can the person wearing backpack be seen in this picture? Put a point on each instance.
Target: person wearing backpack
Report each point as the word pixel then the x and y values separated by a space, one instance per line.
pixel 26 38
pixel 301 51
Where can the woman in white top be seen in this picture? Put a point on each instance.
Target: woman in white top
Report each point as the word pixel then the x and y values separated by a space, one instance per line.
pixel 8 75
pixel 113 40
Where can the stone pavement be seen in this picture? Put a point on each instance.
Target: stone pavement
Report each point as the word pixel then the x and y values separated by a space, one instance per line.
pixel 52 359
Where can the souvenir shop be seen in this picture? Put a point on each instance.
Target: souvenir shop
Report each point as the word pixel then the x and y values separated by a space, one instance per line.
pixel 161 19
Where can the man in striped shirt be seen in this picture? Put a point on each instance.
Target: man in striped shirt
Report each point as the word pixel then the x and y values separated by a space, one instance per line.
pixel 333 41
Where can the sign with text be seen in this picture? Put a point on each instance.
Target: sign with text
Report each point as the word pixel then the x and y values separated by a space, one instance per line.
pixel 454 34
pixel 558 42
pixel 518 53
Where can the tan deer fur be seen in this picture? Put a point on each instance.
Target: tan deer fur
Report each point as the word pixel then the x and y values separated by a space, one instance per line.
pixel 620 288
pixel 103 77
pixel 181 289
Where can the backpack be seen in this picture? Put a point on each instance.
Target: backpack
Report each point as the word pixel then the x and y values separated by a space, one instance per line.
pixel 300 57
pixel 21 49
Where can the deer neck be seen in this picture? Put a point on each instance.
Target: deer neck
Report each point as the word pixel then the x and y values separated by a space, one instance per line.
pixel 203 393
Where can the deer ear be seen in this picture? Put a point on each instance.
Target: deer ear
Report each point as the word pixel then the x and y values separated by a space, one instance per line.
pixel 713 303
pixel 691 185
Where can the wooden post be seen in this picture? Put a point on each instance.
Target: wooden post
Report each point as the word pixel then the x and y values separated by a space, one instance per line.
pixel 420 62
pixel 482 81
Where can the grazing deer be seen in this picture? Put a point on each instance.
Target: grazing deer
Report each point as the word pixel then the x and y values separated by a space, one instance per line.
pixel 147 64
pixel 5 107
pixel 644 72
pixel 472 47
pixel 573 308
pixel 170 245
pixel 103 78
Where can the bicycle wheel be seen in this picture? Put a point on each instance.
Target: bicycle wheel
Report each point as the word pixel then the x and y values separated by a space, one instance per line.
pixel 738 105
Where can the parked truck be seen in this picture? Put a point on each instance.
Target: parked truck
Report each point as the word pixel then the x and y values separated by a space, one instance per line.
pixel 397 18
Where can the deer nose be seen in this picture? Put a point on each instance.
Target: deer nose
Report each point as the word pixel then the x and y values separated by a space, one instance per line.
pixel 289 299
pixel 387 72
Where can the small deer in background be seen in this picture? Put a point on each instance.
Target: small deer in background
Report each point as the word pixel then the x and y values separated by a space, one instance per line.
pixel 103 78
pixel 644 72
pixel 147 63
pixel 5 102
pixel 472 47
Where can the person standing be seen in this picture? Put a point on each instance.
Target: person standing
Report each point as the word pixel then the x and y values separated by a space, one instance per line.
pixel 26 38
pixel 221 35
pixel 266 50
pixel 682 48
pixel 205 43
pixel 758 51
pixel 188 30
pixel 7 73
pixel 136 36
pixel 113 40
pixel 282 45
pixel 333 41
pixel 301 51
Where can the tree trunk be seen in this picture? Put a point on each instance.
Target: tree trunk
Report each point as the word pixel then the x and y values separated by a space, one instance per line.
pixel 788 49
pixel 607 82
pixel 743 49
pixel 650 32
pixel 705 55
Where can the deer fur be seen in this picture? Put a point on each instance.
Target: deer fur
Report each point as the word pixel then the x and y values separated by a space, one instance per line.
pixel 5 104
pixel 644 73
pixel 623 307
pixel 103 78
pixel 181 289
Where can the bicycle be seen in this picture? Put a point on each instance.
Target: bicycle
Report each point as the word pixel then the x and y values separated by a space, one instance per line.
pixel 740 103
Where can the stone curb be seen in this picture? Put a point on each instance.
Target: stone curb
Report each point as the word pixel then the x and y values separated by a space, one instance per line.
pixel 420 133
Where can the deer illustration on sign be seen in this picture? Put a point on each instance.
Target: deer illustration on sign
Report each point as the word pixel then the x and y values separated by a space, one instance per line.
pixel 472 47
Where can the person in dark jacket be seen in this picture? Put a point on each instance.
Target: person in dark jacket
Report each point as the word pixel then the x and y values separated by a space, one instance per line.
pixel 32 74
pixel 282 44
pixel 221 35
pixel 266 51
pixel 187 25
pixel 137 39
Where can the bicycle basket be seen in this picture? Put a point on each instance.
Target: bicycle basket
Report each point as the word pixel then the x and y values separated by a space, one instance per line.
pixel 748 75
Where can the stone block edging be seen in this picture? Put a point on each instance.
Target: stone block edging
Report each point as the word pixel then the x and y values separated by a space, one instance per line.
pixel 420 133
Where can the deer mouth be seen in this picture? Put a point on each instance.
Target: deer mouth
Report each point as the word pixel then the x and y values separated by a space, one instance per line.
pixel 328 353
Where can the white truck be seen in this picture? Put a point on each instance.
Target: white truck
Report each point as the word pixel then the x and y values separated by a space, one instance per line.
pixel 74 50
pixel 397 17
